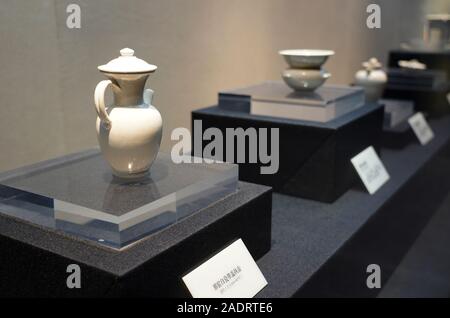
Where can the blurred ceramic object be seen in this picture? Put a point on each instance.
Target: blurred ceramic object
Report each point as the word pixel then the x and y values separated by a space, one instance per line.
pixel 310 59
pixel 419 44
pixel 437 29
pixel 372 78
pixel 305 79
pixel 129 131
pixel 435 36
pixel 412 64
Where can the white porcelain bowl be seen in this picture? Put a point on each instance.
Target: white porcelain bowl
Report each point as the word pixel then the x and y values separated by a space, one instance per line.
pixel 305 80
pixel 306 58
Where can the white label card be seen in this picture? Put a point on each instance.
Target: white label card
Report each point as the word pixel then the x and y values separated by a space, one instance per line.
pixel 370 169
pixel 231 273
pixel 421 128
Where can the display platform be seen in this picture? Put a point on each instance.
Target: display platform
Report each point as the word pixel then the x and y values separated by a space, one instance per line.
pixel 399 136
pixel 35 259
pixel 396 111
pixel 417 79
pixel 78 194
pixel 433 59
pixel 323 250
pixel 276 99
pixel 431 95
pixel 433 101
pixel 314 157
pixel 397 132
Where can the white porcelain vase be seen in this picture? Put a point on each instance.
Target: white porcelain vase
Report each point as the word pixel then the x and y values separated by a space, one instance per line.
pixel 129 131
pixel 372 78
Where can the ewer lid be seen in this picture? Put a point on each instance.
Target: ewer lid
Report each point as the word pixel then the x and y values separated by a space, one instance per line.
pixel 127 63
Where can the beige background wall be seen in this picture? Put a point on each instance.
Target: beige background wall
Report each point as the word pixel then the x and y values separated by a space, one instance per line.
pixel 48 72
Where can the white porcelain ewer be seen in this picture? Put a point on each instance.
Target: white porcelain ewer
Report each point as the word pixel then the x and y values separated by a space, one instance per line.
pixel 129 131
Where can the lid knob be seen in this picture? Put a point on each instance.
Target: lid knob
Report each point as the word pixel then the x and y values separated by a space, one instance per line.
pixel 127 63
pixel 126 52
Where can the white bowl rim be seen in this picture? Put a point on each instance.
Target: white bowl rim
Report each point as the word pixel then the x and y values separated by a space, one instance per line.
pixel 306 52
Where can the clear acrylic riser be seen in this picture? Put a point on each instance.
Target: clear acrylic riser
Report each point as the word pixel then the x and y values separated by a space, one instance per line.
pixel 78 194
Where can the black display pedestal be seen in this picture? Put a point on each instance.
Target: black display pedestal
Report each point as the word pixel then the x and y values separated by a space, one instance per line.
pixel 399 136
pixel 432 100
pixel 326 248
pixel 314 157
pixel 34 259
pixel 434 60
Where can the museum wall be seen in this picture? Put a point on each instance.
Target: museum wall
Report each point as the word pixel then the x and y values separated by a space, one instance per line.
pixel 48 71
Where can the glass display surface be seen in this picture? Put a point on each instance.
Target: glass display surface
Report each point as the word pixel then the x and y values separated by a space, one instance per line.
pixel 78 194
pixel 276 99
pixel 277 91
